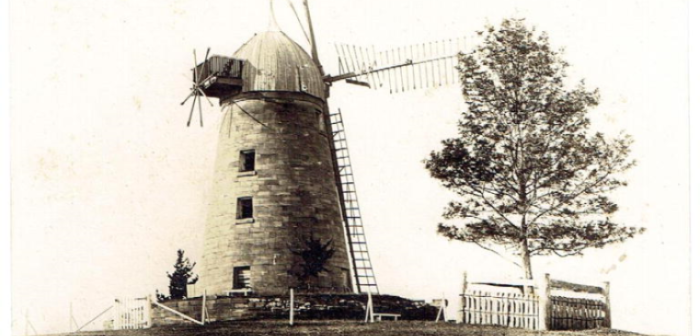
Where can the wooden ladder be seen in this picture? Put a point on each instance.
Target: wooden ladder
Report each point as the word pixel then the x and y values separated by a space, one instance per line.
pixel 357 242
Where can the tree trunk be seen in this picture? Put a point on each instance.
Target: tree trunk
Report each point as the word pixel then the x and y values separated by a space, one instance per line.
pixel 527 266
pixel 524 248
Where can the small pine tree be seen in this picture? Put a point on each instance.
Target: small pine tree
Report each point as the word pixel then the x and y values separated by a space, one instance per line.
pixel 182 276
pixel 314 256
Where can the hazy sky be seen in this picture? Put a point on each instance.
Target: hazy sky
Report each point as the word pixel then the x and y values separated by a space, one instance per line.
pixel 108 182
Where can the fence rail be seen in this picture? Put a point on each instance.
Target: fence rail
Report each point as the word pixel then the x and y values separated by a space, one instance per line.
pixel 502 309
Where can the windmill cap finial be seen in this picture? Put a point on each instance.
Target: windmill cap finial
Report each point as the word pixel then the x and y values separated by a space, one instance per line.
pixel 273 25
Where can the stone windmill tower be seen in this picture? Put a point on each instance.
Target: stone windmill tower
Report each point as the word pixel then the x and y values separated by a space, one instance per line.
pixel 275 186
pixel 274 182
pixel 282 172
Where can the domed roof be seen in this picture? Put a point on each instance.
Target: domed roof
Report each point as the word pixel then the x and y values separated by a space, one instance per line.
pixel 276 63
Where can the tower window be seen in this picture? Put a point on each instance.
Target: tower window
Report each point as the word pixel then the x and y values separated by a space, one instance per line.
pixel 247 161
pixel 345 273
pixel 321 122
pixel 245 208
pixel 241 277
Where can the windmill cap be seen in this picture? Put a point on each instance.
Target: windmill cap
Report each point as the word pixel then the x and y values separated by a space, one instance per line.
pixel 276 63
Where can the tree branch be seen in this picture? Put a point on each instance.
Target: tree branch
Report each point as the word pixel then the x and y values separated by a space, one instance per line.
pixel 497 253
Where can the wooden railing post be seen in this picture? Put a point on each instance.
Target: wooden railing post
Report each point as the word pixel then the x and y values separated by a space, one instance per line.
pixel 463 310
pixel 608 318
pixel 204 307
pixel 291 306
pixel 369 313
pixel 544 309
pixel 149 311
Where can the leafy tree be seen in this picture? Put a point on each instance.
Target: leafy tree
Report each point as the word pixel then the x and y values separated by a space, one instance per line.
pixel 314 256
pixel 182 276
pixel 532 177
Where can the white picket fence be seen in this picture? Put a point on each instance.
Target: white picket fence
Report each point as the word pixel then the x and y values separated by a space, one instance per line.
pixel 501 309
pixel 540 310
pixel 132 313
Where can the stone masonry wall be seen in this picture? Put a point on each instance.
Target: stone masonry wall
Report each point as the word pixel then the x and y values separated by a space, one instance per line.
pixel 324 306
pixel 294 198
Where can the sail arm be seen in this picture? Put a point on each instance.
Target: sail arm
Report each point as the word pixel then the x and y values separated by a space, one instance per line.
pixel 369 71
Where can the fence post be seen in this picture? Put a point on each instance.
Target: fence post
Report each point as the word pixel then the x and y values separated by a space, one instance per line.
pixel 463 310
pixel 149 311
pixel 369 313
pixel 115 314
pixel 443 306
pixel 291 306
pixel 544 309
pixel 608 319
pixel 204 307
pixel 70 318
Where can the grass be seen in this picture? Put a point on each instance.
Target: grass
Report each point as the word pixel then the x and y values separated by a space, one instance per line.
pixel 346 328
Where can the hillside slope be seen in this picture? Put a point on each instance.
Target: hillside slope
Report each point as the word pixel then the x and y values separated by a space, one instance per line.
pixel 345 328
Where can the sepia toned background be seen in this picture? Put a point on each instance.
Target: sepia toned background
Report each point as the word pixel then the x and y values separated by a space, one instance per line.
pixel 107 182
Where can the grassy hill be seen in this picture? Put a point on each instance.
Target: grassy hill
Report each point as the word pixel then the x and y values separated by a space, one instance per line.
pixel 345 328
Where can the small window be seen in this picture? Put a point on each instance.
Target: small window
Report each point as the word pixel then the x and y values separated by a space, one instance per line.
pixel 245 208
pixel 321 121
pixel 241 277
pixel 345 273
pixel 247 161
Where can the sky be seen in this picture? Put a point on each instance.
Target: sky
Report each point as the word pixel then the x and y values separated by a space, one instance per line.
pixel 108 182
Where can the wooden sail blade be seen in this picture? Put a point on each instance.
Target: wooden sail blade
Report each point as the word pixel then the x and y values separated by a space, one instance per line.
pixel 417 66
pixel 195 80
pixel 356 82
pixel 205 96
pixel 188 97
pixel 301 25
pixel 201 119
pixel 189 120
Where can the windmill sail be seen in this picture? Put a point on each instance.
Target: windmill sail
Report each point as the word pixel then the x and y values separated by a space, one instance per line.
pixel 417 66
pixel 363 272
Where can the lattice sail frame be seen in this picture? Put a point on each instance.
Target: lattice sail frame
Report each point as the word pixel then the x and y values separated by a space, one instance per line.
pixel 417 66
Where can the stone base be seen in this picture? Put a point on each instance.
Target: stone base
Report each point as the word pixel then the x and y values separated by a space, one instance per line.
pixel 306 307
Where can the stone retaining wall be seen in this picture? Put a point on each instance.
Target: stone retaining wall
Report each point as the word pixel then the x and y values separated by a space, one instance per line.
pixel 317 306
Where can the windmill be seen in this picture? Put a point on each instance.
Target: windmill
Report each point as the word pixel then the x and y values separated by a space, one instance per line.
pixel 274 96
